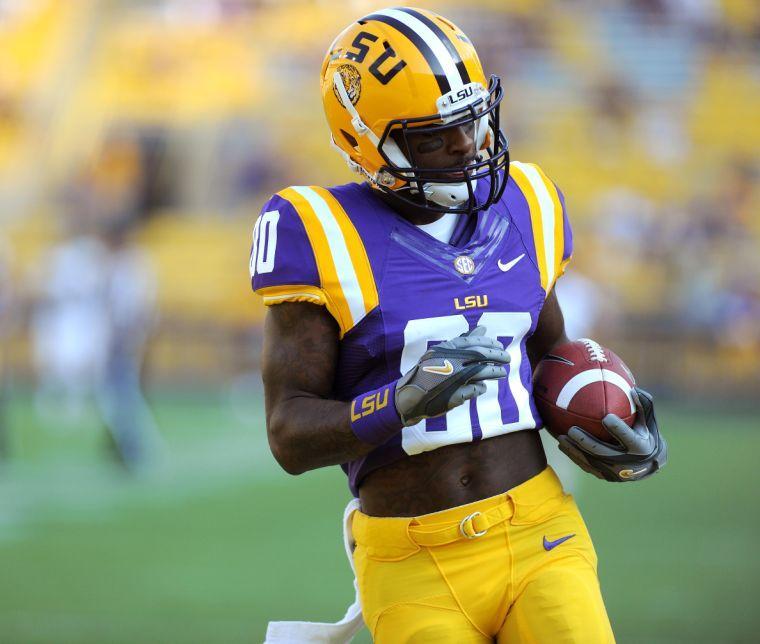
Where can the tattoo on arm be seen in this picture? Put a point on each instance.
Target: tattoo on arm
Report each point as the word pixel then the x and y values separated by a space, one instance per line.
pixel 306 428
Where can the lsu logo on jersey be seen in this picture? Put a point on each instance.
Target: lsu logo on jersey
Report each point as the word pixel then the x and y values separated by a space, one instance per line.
pixel 369 405
pixel 471 302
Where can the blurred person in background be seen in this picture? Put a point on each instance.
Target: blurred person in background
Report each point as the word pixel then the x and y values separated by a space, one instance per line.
pixel 70 326
pixel 724 227
pixel 94 312
pixel 96 300
pixel 130 294
pixel 93 316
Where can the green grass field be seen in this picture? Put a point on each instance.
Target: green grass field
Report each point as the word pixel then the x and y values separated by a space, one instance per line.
pixel 216 540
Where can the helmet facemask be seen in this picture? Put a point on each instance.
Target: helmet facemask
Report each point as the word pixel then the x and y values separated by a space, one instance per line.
pixel 452 189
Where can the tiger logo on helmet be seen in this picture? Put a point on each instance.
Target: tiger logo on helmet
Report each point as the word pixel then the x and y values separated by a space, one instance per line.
pixel 352 84
pixel 404 71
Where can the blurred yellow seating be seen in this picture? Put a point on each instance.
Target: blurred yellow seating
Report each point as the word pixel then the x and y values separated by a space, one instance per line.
pixel 725 109
pixel 30 41
pixel 202 267
pixel 29 238
pixel 742 15
pixel 148 72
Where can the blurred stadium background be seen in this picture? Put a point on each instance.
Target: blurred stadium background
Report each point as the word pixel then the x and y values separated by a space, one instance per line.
pixel 138 139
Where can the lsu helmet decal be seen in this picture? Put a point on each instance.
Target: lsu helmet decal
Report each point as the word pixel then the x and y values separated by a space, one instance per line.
pixel 405 71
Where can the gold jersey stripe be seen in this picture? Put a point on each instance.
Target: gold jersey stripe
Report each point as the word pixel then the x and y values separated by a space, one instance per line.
pixel 292 293
pixel 328 275
pixel 356 250
pixel 345 273
pixel 518 174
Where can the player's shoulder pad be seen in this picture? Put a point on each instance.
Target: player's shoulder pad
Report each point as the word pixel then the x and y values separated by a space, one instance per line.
pixel 305 248
pixel 549 224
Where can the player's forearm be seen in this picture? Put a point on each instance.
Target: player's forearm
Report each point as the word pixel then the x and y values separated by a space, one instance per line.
pixel 538 351
pixel 306 433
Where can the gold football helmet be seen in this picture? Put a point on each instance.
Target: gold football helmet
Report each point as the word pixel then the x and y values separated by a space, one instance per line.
pixel 400 71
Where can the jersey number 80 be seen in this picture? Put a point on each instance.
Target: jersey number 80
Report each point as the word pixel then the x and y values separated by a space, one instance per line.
pixel 264 243
pixel 503 401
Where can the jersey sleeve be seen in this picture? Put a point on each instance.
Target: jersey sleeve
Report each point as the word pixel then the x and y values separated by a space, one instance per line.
pixel 549 224
pixel 282 264
pixel 306 249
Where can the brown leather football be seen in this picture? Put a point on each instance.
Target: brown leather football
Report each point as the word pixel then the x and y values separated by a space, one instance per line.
pixel 579 383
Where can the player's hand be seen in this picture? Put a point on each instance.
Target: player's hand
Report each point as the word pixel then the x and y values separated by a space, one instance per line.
pixel 448 374
pixel 642 450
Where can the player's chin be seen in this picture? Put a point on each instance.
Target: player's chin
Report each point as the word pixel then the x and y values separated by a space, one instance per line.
pixel 450 174
pixel 458 176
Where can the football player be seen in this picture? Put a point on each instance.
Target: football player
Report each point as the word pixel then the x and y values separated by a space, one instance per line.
pixel 406 315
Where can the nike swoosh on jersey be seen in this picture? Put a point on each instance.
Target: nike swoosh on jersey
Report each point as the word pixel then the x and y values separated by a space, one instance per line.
pixel 508 265
pixel 550 545
pixel 446 369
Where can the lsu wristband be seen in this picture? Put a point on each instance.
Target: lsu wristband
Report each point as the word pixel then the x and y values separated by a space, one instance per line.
pixel 374 418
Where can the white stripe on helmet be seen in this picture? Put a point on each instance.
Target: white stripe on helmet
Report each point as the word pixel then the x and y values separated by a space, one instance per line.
pixel 436 46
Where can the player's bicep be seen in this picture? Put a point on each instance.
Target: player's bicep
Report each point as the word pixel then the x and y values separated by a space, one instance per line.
pixel 550 330
pixel 300 353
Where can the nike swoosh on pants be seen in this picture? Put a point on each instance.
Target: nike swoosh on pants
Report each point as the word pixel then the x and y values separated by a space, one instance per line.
pixel 550 545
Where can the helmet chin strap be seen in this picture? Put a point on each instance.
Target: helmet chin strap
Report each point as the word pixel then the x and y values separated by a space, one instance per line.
pixel 448 195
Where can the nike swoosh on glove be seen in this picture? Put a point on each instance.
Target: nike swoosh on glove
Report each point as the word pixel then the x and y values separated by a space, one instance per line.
pixel 448 374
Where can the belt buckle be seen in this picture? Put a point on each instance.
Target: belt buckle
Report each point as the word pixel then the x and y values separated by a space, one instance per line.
pixel 470 518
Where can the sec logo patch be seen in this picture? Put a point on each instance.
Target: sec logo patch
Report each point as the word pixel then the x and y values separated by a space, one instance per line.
pixel 464 265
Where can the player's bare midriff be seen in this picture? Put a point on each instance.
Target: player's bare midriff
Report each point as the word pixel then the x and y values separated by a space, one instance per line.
pixel 452 475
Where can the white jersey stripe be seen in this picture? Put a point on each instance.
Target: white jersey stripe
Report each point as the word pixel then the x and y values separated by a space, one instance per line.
pixel 548 219
pixel 254 248
pixel 436 46
pixel 344 267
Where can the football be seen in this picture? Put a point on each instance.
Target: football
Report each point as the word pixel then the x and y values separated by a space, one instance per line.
pixel 579 383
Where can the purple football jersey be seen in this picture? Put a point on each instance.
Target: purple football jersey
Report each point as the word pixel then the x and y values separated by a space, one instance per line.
pixel 395 291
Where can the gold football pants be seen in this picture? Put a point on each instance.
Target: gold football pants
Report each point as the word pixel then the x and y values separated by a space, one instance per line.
pixel 514 568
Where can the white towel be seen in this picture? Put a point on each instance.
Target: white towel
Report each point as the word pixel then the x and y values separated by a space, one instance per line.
pixel 341 632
